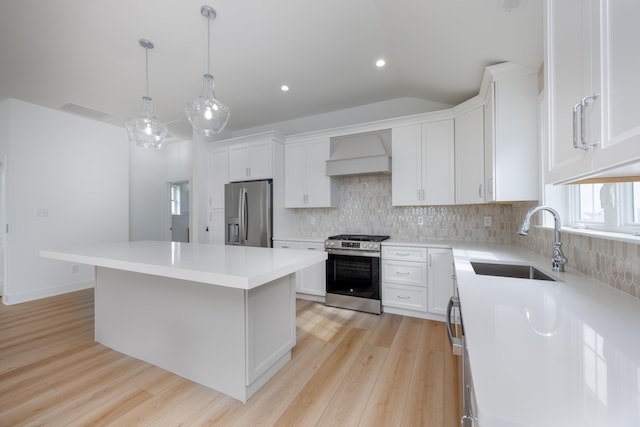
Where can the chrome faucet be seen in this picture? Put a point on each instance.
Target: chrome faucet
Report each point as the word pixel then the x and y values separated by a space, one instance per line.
pixel 558 260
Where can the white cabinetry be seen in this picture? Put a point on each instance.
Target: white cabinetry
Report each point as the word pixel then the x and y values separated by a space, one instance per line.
pixel 441 279
pixel 218 176
pixel 416 281
pixel 306 183
pixel 251 161
pixel 423 164
pixel 511 133
pixel 311 281
pixel 591 74
pixel 469 156
pixel 496 147
pixel 572 73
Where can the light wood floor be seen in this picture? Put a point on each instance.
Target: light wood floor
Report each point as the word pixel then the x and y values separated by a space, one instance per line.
pixel 347 369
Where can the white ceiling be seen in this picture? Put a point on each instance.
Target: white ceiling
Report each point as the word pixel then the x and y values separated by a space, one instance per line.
pixel 87 53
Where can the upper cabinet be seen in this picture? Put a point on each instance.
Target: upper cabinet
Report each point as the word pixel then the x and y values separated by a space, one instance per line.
pixel 497 147
pixel 306 183
pixel 251 161
pixel 423 164
pixel 593 116
pixel 511 145
pixel 469 155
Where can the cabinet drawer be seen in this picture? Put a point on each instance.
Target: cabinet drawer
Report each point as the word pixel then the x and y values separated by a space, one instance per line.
pixel 405 272
pixel 401 296
pixel 404 253
pixel 283 244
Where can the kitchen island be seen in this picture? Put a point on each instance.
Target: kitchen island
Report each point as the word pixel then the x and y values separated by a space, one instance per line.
pixel 222 316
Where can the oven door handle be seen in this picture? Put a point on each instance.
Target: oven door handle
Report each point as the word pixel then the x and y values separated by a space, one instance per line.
pixel 456 343
pixel 353 253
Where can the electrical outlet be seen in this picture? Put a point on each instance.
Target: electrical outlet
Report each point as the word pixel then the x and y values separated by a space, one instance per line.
pixel 420 220
pixel 75 268
pixel 487 221
pixel 312 220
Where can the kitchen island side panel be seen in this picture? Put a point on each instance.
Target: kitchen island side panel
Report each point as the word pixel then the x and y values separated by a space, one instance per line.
pixel 192 329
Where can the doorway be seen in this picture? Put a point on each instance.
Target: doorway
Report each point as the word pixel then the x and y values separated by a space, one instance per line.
pixel 179 210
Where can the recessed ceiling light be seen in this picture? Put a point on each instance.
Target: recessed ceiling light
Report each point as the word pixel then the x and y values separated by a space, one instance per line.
pixel 284 88
pixel 380 63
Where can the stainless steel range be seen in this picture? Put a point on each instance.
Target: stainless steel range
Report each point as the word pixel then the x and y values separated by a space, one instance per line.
pixel 353 272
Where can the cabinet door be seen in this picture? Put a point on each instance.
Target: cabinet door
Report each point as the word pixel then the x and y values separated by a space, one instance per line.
pixel 406 178
pixel 261 160
pixel 621 87
pixel 238 163
pixel 438 167
pixel 572 73
pixel 511 139
pixel 469 157
pixel 216 226
pixel 440 284
pixel 318 183
pixel 295 182
pixel 313 279
pixel 218 176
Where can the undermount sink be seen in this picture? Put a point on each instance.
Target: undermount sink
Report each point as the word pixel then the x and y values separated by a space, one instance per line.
pixel 510 270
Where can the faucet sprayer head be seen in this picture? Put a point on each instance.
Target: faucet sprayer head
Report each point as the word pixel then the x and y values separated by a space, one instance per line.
pixel 524 229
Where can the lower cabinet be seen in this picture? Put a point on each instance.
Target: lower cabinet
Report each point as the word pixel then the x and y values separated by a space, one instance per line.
pixel 311 281
pixel 417 281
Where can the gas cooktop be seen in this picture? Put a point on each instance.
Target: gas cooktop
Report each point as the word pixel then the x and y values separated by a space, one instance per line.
pixel 358 237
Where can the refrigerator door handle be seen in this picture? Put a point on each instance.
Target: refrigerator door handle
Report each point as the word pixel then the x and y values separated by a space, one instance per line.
pixel 241 212
pixel 245 218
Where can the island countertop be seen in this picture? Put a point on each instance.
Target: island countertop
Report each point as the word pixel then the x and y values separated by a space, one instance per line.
pixel 241 267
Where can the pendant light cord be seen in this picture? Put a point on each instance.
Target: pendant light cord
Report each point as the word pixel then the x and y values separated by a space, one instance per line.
pixel 146 51
pixel 208 45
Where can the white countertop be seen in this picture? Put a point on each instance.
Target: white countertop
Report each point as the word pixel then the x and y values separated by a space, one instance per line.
pixel 548 353
pixel 231 266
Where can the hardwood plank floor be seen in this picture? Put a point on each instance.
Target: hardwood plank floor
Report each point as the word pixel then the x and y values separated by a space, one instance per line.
pixel 347 369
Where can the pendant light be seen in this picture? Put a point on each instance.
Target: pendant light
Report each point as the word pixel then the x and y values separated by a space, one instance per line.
pixel 207 115
pixel 145 129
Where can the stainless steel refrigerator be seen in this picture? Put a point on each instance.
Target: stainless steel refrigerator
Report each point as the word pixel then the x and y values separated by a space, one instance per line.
pixel 248 213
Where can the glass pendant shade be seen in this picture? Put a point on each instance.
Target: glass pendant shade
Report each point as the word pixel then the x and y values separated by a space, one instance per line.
pixel 206 114
pixel 145 129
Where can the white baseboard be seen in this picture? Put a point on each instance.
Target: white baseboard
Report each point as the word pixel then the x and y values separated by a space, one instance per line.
pixel 10 299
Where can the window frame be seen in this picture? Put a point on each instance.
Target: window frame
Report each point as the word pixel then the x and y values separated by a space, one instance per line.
pixel 620 221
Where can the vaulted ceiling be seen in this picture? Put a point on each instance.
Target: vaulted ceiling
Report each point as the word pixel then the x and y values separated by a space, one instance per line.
pixel 86 53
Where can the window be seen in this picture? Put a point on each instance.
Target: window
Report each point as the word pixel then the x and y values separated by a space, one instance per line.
pixel 175 199
pixel 607 206
pixel 590 210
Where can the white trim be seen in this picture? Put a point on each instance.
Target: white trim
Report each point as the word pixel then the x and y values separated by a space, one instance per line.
pixel 10 299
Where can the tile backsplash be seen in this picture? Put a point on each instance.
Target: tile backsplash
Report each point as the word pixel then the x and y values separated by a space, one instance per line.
pixel 613 262
pixel 365 207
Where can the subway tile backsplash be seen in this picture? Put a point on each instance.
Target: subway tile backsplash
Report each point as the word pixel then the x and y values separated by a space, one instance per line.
pixel 365 207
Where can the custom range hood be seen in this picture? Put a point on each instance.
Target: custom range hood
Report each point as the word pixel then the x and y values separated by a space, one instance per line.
pixel 360 154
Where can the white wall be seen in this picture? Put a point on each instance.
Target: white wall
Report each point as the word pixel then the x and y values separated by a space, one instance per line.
pixel 67 184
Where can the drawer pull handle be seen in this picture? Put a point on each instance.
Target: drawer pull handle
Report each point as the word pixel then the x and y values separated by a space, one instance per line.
pixel 403 297
pixel 402 273
pixel 403 253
